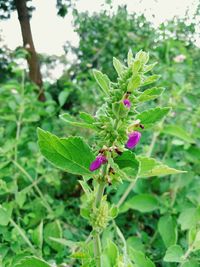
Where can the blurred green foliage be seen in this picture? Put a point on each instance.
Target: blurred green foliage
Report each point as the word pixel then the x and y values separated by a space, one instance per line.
pixel 38 201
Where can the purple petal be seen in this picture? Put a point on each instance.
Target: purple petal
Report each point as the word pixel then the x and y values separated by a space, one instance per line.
pixel 127 103
pixel 134 138
pixel 96 164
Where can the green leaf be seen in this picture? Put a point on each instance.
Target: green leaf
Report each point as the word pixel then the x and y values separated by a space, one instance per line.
pixel 85 187
pixel 113 212
pixel 119 109
pixel 119 67
pixel 135 243
pixel 140 259
pixel 142 56
pixel 188 218
pixel 110 254
pixel 141 202
pixel 65 242
pixel 71 121
pixel 102 80
pixel 130 57
pixel 168 230
pixel 148 68
pixel 5 214
pixel 150 167
pixel 86 117
pixel 62 97
pixel 179 132
pixel 191 263
pixel 174 254
pixel 136 66
pixel 150 94
pixel 196 243
pixel 134 83
pixel 37 235
pixel 152 116
pixel 32 261
pixel 128 163
pixel 71 154
pixel 20 198
pixel 150 79
pixel 53 229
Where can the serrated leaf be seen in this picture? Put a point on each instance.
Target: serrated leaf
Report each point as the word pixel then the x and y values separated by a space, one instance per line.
pixel 71 154
pixel 151 94
pixel 71 121
pixel 150 79
pixel 150 167
pixel 141 202
pixel 53 229
pixel 142 56
pixel 65 242
pixel 136 66
pixel 152 116
pixel 128 163
pixel 174 254
pixel 179 132
pixel 102 80
pixel 32 261
pixel 86 117
pixel 119 67
pixel 134 83
pixel 148 68
pixel 130 57
pixel 168 230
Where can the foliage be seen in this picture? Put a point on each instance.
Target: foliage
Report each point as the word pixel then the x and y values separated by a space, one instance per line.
pixel 113 121
pixel 159 220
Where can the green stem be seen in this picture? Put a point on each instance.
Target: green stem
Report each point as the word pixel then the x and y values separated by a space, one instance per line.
pixel 45 203
pixel 186 255
pixel 153 141
pixel 126 193
pixel 97 250
pixel 96 239
pixel 99 194
pixel 25 238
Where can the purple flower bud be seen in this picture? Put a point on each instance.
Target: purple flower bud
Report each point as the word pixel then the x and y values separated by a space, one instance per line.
pixel 96 164
pixel 133 139
pixel 127 103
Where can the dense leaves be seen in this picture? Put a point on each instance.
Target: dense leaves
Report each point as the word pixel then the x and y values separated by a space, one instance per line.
pixel 160 216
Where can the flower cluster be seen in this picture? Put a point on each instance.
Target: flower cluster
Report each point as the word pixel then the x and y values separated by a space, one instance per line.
pixel 133 140
pixel 114 120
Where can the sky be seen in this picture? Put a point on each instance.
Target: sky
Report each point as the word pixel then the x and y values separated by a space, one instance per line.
pixel 50 31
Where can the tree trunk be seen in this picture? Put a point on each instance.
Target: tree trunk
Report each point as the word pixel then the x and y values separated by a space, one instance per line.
pixel 32 59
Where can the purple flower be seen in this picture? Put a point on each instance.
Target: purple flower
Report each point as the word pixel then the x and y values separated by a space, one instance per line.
pixel 127 103
pixel 133 139
pixel 96 164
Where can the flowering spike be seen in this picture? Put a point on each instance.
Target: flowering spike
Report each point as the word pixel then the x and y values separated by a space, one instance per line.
pixel 127 103
pixel 134 138
pixel 96 164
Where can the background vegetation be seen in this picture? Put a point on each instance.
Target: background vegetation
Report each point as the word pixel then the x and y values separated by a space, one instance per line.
pixel 38 201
